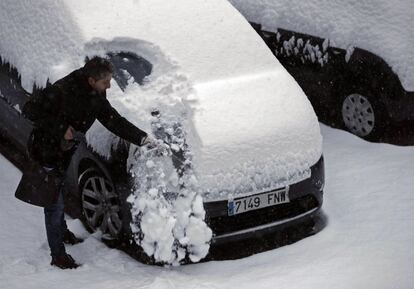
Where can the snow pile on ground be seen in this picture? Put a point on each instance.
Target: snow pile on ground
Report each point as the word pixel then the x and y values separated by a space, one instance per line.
pixel 380 26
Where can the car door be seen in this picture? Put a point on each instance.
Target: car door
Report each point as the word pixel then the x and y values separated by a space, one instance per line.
pixel 13 126
pixel 313 62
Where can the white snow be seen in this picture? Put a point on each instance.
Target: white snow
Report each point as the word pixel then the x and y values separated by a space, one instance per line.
pixel 366 244
pixel 247 125
pixel 380 26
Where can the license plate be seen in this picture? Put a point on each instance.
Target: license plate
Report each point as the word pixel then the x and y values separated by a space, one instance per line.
pixel 263 200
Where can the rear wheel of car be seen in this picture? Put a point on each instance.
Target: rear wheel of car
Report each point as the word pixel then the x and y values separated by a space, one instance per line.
pixel 100 203
pixel 363 116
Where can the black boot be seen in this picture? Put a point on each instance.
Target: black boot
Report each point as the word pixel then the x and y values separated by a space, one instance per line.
pixel 64 261
pixel 70 238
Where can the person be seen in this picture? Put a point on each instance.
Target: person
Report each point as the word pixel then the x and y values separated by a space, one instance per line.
pixel 71 105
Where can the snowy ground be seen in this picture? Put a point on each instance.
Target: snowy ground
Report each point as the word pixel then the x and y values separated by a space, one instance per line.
pixel 366 244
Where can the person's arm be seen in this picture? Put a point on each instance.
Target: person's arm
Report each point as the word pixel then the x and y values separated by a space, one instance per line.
pixel 118 125
pixel 44 110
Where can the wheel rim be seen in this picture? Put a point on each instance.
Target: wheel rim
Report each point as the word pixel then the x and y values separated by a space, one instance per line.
pixel 100 205
pixel 358 115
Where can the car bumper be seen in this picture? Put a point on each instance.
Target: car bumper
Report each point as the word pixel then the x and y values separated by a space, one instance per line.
pixel 259 231
pixel 306 198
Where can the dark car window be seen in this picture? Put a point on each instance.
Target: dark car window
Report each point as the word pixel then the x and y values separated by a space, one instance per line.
pixel 10 85
pixel 13 126
pixel 129 66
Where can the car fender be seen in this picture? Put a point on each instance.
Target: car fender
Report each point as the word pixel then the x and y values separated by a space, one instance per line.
pixel 82 159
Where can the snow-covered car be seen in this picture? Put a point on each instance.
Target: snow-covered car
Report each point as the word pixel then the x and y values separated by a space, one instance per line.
pixel 353 60
pixel 243 149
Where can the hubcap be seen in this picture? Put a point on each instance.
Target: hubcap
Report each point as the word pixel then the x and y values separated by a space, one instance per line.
pixel 358 115
pixel 101 205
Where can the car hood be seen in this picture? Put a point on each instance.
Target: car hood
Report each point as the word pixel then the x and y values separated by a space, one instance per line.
pixel 253 133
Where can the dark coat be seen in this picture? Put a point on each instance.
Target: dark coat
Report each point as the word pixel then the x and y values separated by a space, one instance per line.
pixel 70 101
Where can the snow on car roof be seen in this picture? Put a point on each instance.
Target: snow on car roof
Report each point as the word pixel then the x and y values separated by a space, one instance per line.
pixel 49 38
pixel 380 26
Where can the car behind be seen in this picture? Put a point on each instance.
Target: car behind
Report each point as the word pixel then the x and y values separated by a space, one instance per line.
pixel 353 60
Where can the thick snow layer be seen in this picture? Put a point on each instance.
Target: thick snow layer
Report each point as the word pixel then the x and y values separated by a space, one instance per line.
pixel 380 26
pixel 256 132
pixel 366 244
pixel 47 39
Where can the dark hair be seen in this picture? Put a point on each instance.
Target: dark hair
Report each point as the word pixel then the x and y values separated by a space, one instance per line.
pixel 97 67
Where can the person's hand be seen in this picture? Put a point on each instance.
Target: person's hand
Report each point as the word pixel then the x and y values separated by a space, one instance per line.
pixel 69 133
pixel 149 141
pixel 66 145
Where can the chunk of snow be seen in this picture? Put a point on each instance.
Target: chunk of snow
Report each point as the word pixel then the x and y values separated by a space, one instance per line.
pixel 17 107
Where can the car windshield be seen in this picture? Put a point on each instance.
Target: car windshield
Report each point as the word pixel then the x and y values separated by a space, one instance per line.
pixel 129 67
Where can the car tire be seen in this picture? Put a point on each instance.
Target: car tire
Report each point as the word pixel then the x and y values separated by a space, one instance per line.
pixel 100 203
pixel 363 115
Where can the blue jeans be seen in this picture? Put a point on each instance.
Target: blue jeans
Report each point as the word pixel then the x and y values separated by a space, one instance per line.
pixel 56 226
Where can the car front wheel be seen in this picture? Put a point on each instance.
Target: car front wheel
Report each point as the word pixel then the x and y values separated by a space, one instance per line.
pixel 100 203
